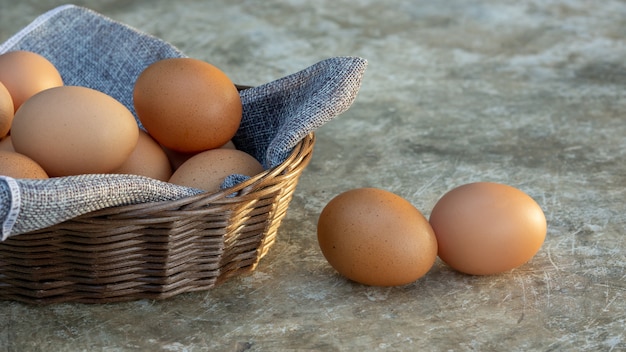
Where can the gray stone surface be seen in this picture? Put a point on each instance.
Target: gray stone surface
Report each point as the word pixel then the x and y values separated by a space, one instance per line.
pixel 528 93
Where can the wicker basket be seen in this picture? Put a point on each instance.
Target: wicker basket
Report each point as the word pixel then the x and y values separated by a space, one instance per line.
pixel 172 239
pixel 153 250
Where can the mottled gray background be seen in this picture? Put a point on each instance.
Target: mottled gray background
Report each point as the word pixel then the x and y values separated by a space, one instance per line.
pixel 528 93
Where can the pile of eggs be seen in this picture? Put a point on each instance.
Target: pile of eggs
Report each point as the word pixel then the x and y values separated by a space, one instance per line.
pixel 190 111
pixel 375 237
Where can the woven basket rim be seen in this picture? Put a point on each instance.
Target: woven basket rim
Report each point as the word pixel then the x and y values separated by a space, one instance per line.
pixel 240 192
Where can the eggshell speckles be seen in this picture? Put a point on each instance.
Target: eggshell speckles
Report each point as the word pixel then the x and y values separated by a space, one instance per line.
pixel 25 74
pixel 207 170
pixel 487 228
pixel 375 237
pixel 72 130
pixel 187 105
pixel 20 166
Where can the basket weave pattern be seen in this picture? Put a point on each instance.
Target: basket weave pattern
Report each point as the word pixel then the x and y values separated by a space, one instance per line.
pixel 106 237
pixel 153 250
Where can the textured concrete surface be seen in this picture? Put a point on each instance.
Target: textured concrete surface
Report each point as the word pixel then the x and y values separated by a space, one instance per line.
pixel 528 93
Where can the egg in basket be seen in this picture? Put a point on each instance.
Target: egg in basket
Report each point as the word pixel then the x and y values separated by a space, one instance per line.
pixel 98 237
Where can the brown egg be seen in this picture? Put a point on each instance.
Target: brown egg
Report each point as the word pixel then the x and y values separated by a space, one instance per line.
pixel 187 105
pixel 6 144
pixel 147 159
pixel 6 111
pixel 487 228
pixel 72 130
pixel 20 166
pixel 25 74
pixel 207 170
pixel 375 237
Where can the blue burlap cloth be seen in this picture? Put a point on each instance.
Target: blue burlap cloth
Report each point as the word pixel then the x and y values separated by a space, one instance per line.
pixel 94 51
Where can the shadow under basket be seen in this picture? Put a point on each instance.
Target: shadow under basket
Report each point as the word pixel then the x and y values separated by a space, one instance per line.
pixel 153 250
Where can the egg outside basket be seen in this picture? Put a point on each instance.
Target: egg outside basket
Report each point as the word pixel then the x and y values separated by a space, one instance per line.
pixel 153 250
